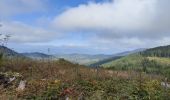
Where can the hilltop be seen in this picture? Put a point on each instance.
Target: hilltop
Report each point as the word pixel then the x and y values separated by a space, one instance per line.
pixel 162 51
pixel 9 52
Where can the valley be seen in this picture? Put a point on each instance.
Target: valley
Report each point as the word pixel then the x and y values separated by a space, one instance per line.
pixel 84 50
pixel 131 75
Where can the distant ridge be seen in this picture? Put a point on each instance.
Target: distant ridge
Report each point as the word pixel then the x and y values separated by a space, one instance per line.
pixel 116 56
pixel 130 52
pixel 84 59
pixel 161 51
pixel 155 60
pixel 7 52
pixel 37 55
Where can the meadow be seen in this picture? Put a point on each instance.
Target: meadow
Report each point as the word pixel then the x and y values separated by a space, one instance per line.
pixel 63 80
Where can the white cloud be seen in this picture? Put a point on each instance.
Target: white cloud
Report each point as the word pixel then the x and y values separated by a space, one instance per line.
pixel 24 33
pixel 110 26
pixel 20 31
pixel 119 23
pixel 12 7
pixel 120 18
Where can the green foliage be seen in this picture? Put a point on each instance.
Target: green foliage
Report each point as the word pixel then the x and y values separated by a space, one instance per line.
pixel 87 86
pixel 151 66
pixel 125 63
pixel 137 62
pixel 163 51
pixel 54 90
pixel 150 90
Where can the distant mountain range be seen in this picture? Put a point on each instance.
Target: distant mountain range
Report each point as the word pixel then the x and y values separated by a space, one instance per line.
pixel 153 60
pixel 37 55
pixel 94 60
pixel 84 59
pixel 116 56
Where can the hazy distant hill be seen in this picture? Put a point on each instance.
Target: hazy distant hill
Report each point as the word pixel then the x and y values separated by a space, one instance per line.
pixel 37 55
pixel 84 59
pixel 9 53
pixel 94 60
pixel 130 52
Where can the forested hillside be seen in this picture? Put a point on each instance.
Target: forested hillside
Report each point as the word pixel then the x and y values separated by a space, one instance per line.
pixel 162 51
pixel 9 52
pixel 153 61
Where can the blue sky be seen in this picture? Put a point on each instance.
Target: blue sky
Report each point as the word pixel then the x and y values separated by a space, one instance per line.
pixel 85 26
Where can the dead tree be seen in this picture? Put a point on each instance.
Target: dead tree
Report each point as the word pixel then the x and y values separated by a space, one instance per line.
pixel 1 40
pixel 49 64
pixel 6 39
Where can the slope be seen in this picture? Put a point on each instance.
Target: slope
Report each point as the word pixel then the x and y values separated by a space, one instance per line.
pixel 108 61
pixel 154 60
pixel 9 53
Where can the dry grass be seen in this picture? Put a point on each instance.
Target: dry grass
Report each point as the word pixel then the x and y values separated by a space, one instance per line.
pixel 63 70
pixel 42 74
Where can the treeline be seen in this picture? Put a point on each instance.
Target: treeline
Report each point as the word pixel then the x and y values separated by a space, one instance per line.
pixel 163 51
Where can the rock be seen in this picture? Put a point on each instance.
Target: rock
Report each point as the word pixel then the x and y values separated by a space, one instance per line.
pixel 21 86
pixel 166 85
pixel 67 98
pixel 11 79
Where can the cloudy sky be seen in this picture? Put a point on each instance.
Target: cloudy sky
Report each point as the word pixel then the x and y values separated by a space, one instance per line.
pixel 85 26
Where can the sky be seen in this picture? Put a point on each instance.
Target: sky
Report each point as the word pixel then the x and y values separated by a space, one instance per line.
pixel 85 26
